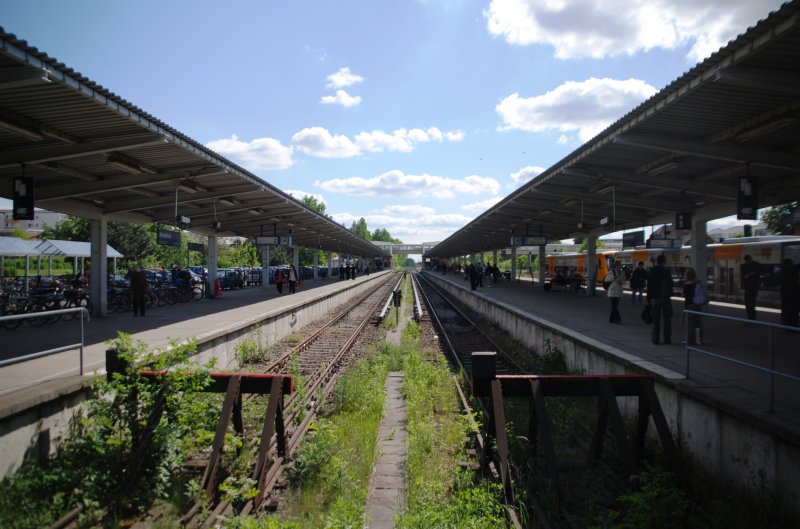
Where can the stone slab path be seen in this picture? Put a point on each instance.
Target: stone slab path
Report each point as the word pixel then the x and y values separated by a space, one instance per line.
pixel 389 481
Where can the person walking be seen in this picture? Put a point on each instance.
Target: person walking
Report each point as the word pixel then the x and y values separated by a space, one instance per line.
pixel 659 294
pixel 614 291
pixel 790 293
pixel 279 281
pixel 292 279
pixel 638 282
pixel 138 290
pixel 751 280
pixel 694 328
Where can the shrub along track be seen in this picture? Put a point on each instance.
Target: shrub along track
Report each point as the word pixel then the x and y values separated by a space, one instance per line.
pixel 320 358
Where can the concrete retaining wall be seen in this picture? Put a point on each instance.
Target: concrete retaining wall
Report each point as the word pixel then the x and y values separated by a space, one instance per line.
pixel 730 445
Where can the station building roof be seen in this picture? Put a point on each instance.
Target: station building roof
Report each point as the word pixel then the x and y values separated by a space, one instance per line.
pixel 94 154
pixel 735 114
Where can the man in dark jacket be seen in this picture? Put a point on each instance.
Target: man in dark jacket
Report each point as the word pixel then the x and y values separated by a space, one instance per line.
pixel 659 293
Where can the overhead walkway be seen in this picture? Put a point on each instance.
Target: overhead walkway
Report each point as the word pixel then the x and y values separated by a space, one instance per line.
pixel 736 388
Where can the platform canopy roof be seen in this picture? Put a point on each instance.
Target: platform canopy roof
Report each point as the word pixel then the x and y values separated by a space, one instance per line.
pixel 735 114
pixel 93 154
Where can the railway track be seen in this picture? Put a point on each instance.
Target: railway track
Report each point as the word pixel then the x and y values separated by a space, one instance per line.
pixel 462 335
pixel 320 358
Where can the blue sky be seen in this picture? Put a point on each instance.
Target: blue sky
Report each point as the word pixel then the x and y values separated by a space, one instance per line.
pixel 417 115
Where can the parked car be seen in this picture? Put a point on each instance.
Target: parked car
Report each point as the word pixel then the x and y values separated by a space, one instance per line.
pixel 230 278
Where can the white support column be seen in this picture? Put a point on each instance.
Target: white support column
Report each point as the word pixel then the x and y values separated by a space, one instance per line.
pixel 27 271
pixel 99 266
pixel 591 264
pixel 75 265
pixel 296 259
pixel 265 267
pixel 698 252
pixel 316 264
pixel 39 265
pixel 513 263
pixel 50 265
pixel 542 265
pixel 211 240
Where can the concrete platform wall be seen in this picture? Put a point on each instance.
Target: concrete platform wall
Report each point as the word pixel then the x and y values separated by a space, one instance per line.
pixel 726 444
pixel 33 427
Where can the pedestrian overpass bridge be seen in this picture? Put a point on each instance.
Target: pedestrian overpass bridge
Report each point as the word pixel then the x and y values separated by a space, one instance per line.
pixel 407 249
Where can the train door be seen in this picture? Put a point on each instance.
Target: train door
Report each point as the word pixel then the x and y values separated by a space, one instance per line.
pixel 725 284
pixel 728 259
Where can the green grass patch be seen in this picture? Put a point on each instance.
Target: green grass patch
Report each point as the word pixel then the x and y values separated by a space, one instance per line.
pixel 441 495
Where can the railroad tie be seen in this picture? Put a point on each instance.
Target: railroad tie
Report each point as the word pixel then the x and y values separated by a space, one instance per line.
pixel 389 481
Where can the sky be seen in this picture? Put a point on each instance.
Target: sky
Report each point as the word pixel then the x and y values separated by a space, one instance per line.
pixel 417 115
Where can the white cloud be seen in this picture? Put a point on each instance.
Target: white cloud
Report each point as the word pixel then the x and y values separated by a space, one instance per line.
pixel 300 195
pixel 398 184
pixel 260 153
pixel 483 205
pixel 587 107
pixel 409 223
pixel 317 141
pixel 457 135
pixel 343 78
pixel 526 174
pixel 601 28
pixel 341 98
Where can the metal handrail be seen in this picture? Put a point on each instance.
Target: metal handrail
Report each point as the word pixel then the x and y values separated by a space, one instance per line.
pixel 771 369
pixel 82 310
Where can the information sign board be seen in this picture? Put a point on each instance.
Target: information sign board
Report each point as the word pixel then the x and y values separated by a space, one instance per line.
pixel 169 238
pixel 264 240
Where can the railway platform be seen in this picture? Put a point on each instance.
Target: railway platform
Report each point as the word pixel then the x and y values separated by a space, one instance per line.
pixel 734 387
pixel 31 383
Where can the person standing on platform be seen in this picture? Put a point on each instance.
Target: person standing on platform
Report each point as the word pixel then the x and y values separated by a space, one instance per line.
pixel 790 293
pixel 472 272
pixel 138 290
pixel 751 280
pixel 638 282
pixel 659 294
pixel 694 324
pixel 614 292
pixel 279 281
pixel 292 279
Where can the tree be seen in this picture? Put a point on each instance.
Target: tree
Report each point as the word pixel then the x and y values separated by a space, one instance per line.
pixel 316 205
pixel 777 218
pixel 585 244
pixel 360 228
pixel 382 234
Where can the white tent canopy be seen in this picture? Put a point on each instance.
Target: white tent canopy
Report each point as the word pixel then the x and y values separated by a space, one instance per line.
pixel 16 247
pixel 71 249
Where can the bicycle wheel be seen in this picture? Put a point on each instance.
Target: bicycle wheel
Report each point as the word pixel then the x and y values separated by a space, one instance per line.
pixel 197 293
pixel 40 320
